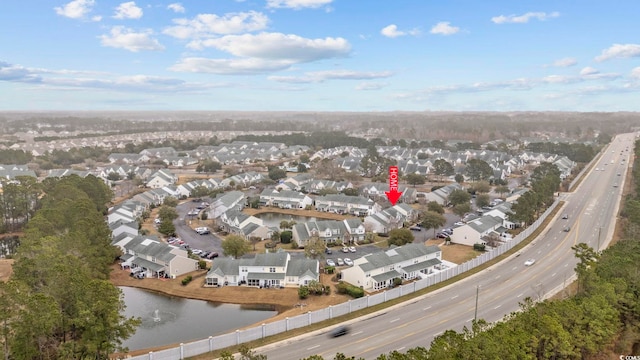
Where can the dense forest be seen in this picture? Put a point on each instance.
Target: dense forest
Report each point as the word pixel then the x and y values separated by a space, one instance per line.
pixel 59 303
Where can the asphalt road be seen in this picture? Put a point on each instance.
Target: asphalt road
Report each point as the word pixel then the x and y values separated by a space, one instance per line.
pixel 208 242
pixel 591 211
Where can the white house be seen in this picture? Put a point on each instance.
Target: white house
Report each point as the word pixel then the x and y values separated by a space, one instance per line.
pixel 345 204
pixel 155 258
pixel 225 202
pixel 264 270
pixel 285 199
pixel 376 271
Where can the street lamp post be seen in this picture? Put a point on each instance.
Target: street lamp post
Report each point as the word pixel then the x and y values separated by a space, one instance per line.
pixel 475 315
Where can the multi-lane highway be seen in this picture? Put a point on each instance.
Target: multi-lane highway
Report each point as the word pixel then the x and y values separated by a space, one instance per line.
pixel 591 212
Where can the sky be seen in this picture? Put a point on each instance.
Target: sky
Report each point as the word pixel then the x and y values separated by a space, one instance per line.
pixel 320 55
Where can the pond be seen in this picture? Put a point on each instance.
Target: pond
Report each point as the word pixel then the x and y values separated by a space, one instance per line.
pixel 168 320
pixel 274 219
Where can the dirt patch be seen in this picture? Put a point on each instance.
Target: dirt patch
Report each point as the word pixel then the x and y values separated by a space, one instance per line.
pixel 6 269
pixel 455 253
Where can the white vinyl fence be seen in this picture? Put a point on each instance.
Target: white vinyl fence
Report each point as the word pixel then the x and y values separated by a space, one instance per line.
pixel 241 336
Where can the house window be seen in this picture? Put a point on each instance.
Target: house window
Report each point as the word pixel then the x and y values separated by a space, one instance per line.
pixel 272 269
pixel 244 269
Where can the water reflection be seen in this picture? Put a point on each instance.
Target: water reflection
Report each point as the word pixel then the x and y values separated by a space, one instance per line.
pixel 168 320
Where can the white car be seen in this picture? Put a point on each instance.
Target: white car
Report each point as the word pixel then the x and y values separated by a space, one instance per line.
pixel 345 249
pixel 529 262
pixel 352 248
pixel 458 223
pixel 340 261
pixel 330 262
pixel 348 262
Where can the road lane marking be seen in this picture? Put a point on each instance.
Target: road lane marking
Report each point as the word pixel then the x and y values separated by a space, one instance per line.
pixel 514 268
pixel 497 307
pixel 554 274
pixel 357 333
pixel 313 347
pixel 454 297
pixel 498 277
pixel 427 308
pixel 394 320
pixel 519 295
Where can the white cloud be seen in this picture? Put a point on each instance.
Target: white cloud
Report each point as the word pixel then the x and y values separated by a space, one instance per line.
pixel 208 25
pixel 349 75
pixel 128 10
pixel 176 7
pixel 297 4
pixel 444 28
pixel 521 19
pixel 278 46
pixel 229 66
pixel 370 86
pixel 76 9
pixel 560 79
pixel 321 76
pixel 96 18
pixel 635 73
pixel 128 39
pixel 565 62
pixel 588 71
pixel 619 51
pixel 94 79
pixel 392 31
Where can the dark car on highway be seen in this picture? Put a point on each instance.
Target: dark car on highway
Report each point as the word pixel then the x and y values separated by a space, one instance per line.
pixel 339 331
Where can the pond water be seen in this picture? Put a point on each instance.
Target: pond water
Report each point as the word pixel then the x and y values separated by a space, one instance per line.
pixel 274 219
pixel 168 320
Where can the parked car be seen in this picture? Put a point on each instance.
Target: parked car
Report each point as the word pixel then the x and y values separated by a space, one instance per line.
pixel 565 216
pixel 339 331
pixel 458 223
pixel 567 229
pixel 328 251
pixel 415 228
pixel 529 262
pixel 212 255
pixel 345 249
pixel 447 231
pixel 330 262
pixel 352 249
pixel 196 251
pixel 340 261
pixel 442 235
pixel 348 262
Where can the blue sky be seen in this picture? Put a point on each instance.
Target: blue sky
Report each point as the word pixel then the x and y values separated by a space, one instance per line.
pixel 320 55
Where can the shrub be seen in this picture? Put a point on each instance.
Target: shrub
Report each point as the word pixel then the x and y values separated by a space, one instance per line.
pixel 186 280
pixel 303 292
pixel 202 264
pixel 353 291
pixel 397 282
pixel 478 247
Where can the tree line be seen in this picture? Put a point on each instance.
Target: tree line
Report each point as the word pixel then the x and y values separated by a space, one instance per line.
pixel 59 302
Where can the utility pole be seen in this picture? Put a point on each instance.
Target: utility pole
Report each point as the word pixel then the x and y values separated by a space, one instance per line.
pixel 475 315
